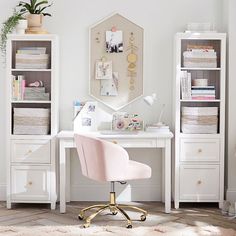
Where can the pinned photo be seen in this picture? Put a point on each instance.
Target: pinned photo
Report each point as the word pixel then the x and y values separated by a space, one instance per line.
pixel 114 41
pixel 103 70
pixel 110 87
pixel 86 121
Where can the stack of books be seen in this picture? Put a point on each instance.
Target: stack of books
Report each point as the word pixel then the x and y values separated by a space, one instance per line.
pixel 36 94
pixel 203 92
pixel 157 128
pixel 18 87
pixel 32 58
pixel 199 120
pixel 200 56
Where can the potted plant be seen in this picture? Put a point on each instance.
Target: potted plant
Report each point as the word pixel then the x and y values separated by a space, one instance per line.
pixel 36 10
pixel 14 21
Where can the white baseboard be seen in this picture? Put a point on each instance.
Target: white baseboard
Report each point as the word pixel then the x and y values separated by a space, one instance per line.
pixel 231 195
pixel 3 189
pixel 123 193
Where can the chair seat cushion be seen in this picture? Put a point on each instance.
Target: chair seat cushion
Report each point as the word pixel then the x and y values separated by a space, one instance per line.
pixel 137 170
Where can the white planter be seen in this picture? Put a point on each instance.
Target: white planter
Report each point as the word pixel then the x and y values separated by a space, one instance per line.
pixel 21 26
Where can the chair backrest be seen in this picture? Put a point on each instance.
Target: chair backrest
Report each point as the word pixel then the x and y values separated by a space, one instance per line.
pixel 101 160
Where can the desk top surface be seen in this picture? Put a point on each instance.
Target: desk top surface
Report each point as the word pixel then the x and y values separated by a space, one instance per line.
pixel 68 134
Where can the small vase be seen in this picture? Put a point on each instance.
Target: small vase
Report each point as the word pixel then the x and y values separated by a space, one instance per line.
pixel 21 26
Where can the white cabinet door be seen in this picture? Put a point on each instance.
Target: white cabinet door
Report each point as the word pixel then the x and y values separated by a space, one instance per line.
pixel 30 183
pixel 30 151
pixel 200 150
pixel 199 182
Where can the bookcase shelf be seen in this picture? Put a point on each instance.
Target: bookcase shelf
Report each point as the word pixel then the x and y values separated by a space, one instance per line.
pixel 199 124
pixel 189 68
pixel 32 124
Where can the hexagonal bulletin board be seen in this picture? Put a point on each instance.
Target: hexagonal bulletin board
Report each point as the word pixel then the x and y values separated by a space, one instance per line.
pixel 116 61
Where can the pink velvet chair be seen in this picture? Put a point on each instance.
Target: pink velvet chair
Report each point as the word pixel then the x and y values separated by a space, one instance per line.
pixel 105 161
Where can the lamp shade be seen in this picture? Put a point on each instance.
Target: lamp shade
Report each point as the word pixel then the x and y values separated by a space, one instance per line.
pixel 150 99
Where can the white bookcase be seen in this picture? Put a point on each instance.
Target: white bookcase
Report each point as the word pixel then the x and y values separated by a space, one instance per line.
pixel 31 159
pixel 199 157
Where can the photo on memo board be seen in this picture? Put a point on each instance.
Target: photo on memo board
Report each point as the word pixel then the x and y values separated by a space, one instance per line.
pixel 114 41
pixel 109 87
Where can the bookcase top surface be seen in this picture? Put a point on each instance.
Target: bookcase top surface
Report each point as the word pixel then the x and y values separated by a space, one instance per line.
pixel 32 36
pixel 201 35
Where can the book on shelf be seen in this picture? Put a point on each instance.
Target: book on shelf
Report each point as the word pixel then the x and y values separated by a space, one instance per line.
pixel 18 87
pixel 185 81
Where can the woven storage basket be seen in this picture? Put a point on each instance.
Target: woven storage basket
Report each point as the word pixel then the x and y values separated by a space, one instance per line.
pixel 34 121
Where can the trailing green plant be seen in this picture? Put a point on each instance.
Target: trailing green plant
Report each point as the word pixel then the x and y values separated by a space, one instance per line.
pixel 7 28
pixel 35 7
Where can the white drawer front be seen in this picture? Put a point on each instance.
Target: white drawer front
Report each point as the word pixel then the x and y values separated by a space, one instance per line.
pixel 136 143
pixel 30 151
pixel 200 150
pixel 199 182
pixel 30 183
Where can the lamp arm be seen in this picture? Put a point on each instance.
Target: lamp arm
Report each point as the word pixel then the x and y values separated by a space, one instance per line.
pixel 161 113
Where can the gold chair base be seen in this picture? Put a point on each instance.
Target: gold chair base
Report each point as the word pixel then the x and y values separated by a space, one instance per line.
pixel 114 209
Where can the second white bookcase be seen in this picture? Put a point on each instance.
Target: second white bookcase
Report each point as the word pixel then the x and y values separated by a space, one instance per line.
pixel 199 157
pixel 31 159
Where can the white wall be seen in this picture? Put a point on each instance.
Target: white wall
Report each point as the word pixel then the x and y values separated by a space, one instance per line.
pixel 161 19
pixel 230 18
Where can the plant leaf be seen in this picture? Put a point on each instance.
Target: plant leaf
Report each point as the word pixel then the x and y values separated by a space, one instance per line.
pixel 41 3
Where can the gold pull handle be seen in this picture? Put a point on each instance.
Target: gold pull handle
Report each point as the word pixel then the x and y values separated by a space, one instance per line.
pixel 29 152
pixel 199 150
pixel 115 142
pixel 199 182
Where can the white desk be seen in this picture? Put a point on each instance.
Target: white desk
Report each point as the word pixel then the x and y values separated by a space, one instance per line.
pixel 140 140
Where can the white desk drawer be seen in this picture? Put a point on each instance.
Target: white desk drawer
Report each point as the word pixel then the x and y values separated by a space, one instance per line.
pixel 199 182
pixel 200 150
pixel 30 183
pixel 136 143
pixel 30 151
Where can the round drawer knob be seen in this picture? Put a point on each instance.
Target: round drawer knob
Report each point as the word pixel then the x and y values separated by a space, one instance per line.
pixel 199 182
pixel 115 142
pixel 29 152
pixel 30 183
pixel 199 150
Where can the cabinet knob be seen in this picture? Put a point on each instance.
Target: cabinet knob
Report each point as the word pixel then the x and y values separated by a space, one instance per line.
pixel 199 182
pixel 115 142
pixel 199 150
pixel 30 183
pixel 29 152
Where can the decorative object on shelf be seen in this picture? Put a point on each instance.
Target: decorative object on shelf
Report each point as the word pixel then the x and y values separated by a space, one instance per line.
pixel 18 87
pixel 21 26
pixel 114 41
pixel 109 87
pixel 85 116
pixel 200 27
pixel 122 121
pixel 132 60
pixel 200 82
pixel 14 21
pixel 37 83
pixel 119 41
pixel 36 12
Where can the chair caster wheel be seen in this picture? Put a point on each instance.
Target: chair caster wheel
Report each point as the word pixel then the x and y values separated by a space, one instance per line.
pixel 86 225
pixel 114 213
pixel 80 217
pixel 129 226
pixel 143 217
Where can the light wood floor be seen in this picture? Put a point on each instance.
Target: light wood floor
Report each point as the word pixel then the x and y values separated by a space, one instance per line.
pixel 40 214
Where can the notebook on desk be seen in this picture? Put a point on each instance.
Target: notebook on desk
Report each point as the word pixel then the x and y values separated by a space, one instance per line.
pixel 118 132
